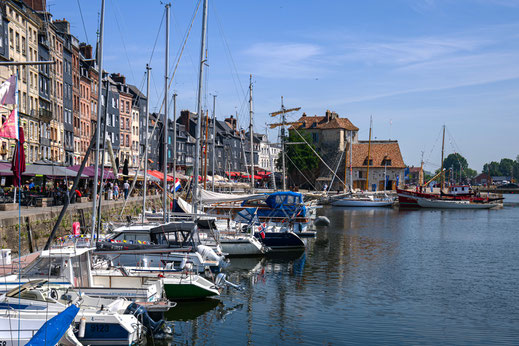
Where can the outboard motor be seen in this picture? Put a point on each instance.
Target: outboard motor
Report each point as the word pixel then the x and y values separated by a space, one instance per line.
pixel 221 281
pixel 160 329
pixel 208 253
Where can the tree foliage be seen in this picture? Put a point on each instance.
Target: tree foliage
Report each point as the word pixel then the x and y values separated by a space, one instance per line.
pixel 505 167
pixel 457 168
pixel 299 157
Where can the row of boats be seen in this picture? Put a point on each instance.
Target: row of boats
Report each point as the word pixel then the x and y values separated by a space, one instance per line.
pixel 120 281
pixel 456 197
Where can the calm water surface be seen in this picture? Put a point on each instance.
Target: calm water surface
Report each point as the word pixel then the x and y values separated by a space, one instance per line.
pixel 375 276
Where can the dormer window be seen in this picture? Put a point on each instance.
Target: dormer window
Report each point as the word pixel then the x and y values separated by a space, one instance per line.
pixel 366 162
pixel 386 162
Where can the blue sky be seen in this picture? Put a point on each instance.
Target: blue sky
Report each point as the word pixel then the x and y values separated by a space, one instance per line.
pixel 413 65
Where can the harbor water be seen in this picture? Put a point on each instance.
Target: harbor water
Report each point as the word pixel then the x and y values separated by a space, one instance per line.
pixel 376 276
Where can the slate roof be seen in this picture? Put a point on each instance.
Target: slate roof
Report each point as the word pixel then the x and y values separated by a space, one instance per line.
pixel 379 150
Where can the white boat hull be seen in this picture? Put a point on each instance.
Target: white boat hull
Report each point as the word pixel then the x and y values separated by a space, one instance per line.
pixel 352 202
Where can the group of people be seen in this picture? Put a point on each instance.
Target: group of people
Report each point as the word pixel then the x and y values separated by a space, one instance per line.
pixel 114 191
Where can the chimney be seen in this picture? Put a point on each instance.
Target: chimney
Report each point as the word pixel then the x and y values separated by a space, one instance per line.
pixel 330 115
pixel 37 5
pixel 62 25
pixel 232 122
pixel 118 78
pixel 86 50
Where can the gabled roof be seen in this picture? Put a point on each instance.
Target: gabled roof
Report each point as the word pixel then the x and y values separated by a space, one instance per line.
pixel 380 150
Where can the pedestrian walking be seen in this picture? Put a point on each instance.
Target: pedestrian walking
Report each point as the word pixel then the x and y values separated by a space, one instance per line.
pixel 116 191
pixel 126 187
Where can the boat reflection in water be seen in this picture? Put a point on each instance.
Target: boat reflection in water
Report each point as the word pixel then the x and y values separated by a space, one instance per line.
pixel 191 310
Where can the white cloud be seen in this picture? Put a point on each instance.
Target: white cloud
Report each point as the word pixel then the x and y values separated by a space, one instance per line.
pixel 286 60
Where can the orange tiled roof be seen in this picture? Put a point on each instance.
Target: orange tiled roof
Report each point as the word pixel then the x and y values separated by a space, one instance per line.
pixel 319 122
pixel 379 151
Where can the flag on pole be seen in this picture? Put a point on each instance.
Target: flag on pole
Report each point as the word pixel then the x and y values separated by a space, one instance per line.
pixel 8 91
pixel 177 185
pixel 8 128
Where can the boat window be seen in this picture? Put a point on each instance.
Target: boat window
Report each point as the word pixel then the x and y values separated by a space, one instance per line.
pixel 291 200
pixel 45 267
pixel 133 237
pixel 80 270
pixel 279 200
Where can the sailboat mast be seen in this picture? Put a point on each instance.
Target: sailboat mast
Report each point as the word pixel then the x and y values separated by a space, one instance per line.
pixel 442 176
pixel 199 111
pixel 214 142
pixel 351 160
pixel 174 147
pixel 98 124
pixel 251 128
pixel 205 147
pixel 165 126
pixel 345 163
pixel 283 120
pixel 146 124
pixel 369 152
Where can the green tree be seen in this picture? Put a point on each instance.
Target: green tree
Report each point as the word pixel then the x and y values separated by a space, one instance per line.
pixel 299 157
pixel 506 167
pixel 454 164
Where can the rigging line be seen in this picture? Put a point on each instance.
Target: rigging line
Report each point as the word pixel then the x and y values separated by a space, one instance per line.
pixel 181 52
pixel 83 21
pixel 156 38
pixel 288 157
pixel 122 38
pixel 185 37
pixel 229 55
pixel 320 158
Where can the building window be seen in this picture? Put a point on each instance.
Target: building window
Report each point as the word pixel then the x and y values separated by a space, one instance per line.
pixel 386 162
pixel 365 163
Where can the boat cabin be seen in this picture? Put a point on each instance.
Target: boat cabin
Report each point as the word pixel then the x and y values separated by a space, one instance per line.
pixel 70 265
pixel 173 234
pixel 460 190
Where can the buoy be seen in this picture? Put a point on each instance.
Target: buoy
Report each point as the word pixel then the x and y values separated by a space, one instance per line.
pixel 322 221
pixel 82 327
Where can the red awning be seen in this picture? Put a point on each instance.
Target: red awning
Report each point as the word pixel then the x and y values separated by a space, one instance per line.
pixel 159 175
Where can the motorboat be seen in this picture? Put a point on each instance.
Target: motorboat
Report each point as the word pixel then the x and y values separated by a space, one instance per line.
pixel 72 267
pixel 40 295
pixel 156 245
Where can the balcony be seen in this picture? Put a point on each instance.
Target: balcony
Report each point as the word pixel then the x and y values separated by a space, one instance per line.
pixel 45 115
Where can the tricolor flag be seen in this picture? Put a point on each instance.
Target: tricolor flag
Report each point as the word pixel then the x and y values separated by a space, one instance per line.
pixel 177 185
pixel 8 91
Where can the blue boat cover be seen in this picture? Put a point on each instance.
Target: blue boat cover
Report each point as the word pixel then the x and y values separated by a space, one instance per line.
pixel 284 204
pixel 54 329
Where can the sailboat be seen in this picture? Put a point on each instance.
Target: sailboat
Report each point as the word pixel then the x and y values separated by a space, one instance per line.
pixel 456 197
pixel 364 199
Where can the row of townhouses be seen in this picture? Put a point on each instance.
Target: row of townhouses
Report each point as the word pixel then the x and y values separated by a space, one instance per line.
pixel 58 104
